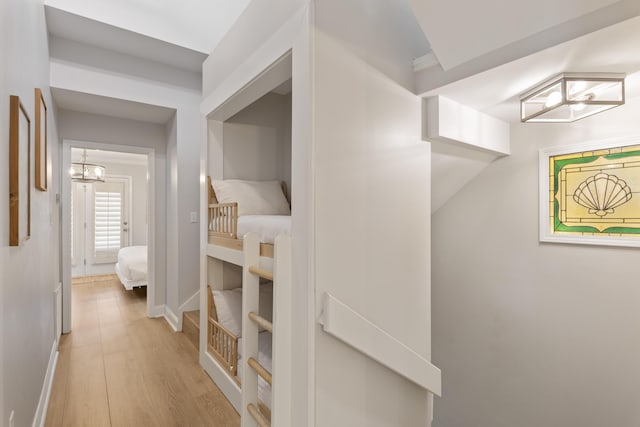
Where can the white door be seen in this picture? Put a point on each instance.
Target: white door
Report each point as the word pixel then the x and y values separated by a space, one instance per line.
pixel 100 225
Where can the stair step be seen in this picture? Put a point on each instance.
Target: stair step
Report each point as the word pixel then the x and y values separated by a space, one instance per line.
pixel 191 326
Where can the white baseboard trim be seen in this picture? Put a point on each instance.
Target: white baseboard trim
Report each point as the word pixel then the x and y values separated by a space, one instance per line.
pixel 225 383
pixel 156 311
pixel 174 321
pixel 191 304
pixel 43 403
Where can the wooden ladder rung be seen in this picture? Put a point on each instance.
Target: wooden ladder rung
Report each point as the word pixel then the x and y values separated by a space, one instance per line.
pixel 260 419
pixel 261 272
pixel 261 321
pixel 260 370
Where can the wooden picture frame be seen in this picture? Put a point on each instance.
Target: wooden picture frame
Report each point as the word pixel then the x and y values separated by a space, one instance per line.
pixel 19 173
pixel 41 141
pixel 590 193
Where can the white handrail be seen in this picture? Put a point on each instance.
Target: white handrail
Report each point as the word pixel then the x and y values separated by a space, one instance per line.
pixel 353 329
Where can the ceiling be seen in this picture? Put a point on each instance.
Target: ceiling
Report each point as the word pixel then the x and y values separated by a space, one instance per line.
pixel 197 25
pixel 70 26
pixel 490 25
pixel 105 157
pixel 496 91
pixel 112 107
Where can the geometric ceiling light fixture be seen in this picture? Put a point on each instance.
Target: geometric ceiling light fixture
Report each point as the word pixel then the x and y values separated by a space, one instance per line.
pixel 572 96
pixel 86 172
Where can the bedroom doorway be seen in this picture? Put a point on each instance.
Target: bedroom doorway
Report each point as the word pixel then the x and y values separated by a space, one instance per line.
pixel 102 218
pixel 100 224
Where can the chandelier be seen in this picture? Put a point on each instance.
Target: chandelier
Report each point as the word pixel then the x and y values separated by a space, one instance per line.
pixel 86 172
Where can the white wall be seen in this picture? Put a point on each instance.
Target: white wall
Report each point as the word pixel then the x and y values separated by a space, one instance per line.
pixel 108 130
pixel 371 165
pixel 82 73
pixel 173 251
pixel 29 273
pixel 533 334
pixel 257 141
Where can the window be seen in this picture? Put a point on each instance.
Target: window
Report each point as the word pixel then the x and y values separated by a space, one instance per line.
pixel 108 219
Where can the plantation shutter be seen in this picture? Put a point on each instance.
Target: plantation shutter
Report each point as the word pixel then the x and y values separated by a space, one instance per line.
pixel 108 222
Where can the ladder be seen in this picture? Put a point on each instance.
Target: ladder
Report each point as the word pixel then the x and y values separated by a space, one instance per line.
pixel 280 377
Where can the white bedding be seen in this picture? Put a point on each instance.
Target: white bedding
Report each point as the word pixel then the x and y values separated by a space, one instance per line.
pixel 266 226
pixel 264 358
pixel 131 267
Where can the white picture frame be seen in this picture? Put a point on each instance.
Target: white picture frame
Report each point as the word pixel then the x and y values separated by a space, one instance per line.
pixel 557 225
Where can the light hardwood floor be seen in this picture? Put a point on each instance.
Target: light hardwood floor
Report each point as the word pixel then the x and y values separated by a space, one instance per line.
pixel 120 368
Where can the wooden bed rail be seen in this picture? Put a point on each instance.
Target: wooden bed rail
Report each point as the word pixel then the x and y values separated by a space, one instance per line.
pixel 223 220
pixel 222 344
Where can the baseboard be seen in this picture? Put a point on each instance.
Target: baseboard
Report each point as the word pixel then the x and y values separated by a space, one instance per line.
pixel 174 321
pixel 157 311
pixel 191 304
pixel 223 380
pixel 45 394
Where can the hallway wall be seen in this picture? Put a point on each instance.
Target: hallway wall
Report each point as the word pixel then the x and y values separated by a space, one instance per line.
pixel 109 130
pixel 28 273
pixel 528 333
pixel 102 72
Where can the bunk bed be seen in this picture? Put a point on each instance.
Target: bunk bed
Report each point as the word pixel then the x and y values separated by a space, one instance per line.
pixel 242 334
pixel 237 207
pixel 224 337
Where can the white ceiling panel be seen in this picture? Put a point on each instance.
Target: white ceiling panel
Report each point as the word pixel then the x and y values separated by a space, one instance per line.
pixel 195 24
pixel 461 30
pixel 112 107
pixel 107 157
pixel 92 32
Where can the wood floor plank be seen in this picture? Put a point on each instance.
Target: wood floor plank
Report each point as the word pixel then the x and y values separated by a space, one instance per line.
pixel 120 368
pixel 86 394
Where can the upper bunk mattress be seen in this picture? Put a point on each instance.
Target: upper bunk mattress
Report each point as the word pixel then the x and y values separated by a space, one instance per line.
pixel 266 226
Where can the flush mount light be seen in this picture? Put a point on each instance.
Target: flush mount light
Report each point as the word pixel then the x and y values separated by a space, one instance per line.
pixel 86 172
pixel 572 96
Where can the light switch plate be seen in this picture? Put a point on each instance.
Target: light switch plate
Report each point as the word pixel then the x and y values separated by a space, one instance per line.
pixel 194 216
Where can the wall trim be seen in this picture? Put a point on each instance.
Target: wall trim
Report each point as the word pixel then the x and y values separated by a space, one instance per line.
pixel 193 303
pixel 174 321
pixel 156 311
pixel 65 223
pixel 43 403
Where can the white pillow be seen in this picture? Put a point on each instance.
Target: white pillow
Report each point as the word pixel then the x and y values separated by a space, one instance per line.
pixel 229 307
pixel 253 197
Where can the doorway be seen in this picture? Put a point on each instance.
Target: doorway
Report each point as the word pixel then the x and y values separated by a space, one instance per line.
pixel 101 217
pixel 100 224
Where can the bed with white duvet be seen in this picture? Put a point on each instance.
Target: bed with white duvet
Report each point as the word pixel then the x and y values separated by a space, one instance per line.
pixel 131 267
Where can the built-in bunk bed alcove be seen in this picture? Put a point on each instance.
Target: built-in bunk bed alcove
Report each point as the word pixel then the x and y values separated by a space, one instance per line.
pixel 249 154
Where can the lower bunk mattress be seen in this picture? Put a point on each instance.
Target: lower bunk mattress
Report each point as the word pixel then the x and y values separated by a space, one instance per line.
pixel 131 267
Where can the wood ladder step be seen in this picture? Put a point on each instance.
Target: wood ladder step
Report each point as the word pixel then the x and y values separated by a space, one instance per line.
pixel 260 419
pixel 261 321
pixel 260 370
pixel 260 272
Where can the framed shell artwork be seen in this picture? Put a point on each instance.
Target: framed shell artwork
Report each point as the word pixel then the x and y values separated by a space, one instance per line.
pixel 590 193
